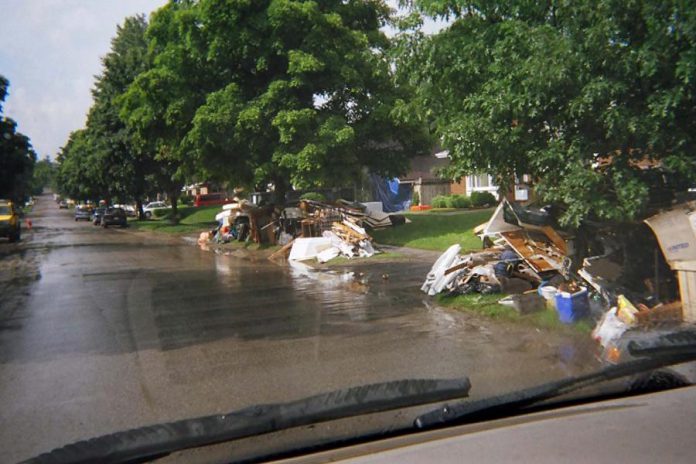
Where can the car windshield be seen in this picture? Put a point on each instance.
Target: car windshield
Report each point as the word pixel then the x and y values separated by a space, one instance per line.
pixel 310 196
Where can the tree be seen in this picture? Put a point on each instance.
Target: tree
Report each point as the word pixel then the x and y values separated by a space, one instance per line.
pixel 159 105
pixel 282 92
pixel 43 176
pixel 78 176
pixel 104 160
pixel 546 88
pixel 124 167
pixel 17 156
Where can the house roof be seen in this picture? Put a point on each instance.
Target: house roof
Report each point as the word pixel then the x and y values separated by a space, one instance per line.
pixel 425 167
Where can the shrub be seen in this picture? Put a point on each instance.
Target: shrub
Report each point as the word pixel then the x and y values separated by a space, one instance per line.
pixel 313 196
pixel 439 201
pixel 479 199
pixel 186 200
pixel 460 201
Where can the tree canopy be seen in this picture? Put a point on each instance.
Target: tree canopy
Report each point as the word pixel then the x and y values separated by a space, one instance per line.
pixel 283 92
pixel 103 160
pixel 17 157
pixel 547 88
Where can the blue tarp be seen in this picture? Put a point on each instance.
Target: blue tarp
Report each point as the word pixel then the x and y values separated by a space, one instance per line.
pixel 394 195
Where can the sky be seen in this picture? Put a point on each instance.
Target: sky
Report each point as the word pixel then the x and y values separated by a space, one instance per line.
pixel 51 51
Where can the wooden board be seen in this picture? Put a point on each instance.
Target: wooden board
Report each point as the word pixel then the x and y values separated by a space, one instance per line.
pixel 532 250
pixel 556 239
pixel 283 251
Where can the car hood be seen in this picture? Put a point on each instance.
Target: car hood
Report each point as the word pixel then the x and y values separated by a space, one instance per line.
pixel 5 217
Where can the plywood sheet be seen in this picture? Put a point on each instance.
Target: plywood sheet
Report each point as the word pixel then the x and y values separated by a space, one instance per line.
pixel 536 249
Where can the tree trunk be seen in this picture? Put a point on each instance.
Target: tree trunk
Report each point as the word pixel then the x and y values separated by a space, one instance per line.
pixel 174 197
pixel 139 209
pixel 281 188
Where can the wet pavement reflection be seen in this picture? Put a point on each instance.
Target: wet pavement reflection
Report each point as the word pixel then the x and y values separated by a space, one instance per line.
pixel 103 330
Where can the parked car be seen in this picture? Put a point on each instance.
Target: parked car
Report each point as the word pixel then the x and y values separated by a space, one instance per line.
pixel 9 221
pixel 150 207
pixel 62 204
pixel 114 216
pixel 129 209
pixel 97 215
pixel 83 212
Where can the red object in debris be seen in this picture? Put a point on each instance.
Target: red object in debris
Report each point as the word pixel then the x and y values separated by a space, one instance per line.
pixel 210 199
pixel 421 208
pixel 28 223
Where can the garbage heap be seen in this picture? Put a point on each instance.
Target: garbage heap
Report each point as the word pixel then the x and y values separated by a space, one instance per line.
pixel 327 231
pixel 343 223
pixel 243 221
pixel 516 260
pixel 628 286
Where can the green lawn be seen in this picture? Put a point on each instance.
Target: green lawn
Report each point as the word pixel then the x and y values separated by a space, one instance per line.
pixel 487 305
pixel 192 220
pixel 436 232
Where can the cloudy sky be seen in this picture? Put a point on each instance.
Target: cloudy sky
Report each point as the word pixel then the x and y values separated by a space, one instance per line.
pixel 51 51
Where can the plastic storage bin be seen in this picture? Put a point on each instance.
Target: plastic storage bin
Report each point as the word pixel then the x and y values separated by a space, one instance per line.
pixel 572 307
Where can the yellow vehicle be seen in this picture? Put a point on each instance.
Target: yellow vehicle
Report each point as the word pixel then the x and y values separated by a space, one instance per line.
pixel 9 221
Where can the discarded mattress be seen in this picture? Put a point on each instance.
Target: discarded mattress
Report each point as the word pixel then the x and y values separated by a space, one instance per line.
pixel 308 248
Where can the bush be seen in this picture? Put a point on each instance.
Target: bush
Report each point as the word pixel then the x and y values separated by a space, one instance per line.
pixel 460 201
pixel 416 199
pixel 479 199
pixel 449 201
pixel 313 196
pixel 439 201
pixel 186 200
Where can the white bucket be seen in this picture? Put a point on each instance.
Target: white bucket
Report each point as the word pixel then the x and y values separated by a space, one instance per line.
pixel 548 292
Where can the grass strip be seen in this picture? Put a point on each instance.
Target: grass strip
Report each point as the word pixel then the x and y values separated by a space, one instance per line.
pixel 488 306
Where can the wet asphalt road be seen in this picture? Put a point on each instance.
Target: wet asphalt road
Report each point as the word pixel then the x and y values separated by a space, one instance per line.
pixel 104 330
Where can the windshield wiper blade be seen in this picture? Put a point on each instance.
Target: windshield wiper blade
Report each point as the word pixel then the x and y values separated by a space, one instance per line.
pixel 158 440
pixel 664 344
pixel 510 403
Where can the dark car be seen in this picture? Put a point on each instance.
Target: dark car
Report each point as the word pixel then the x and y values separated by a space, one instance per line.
pixel 97 215
pixel 114 216
pixel 83 212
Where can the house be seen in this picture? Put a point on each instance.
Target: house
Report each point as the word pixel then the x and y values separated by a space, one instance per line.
pixel 427 183
pixel 424 180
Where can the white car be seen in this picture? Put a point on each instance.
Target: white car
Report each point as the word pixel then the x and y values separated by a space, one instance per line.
pixel 150 207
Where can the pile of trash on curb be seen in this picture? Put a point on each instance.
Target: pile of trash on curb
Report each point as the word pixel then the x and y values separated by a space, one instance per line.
pixel 308 230
pixel 630 285
pixel 329 231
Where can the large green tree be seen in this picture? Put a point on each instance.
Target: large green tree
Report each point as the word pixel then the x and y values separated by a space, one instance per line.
pixel 17 157
pixel 284 92
pixel 125 167
pixel 160 104
pixel 546 88
pixel 106 160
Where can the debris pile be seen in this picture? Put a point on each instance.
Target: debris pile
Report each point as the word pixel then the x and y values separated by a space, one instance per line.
pixel 627 286
pixel 343 239
pixel 308 230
